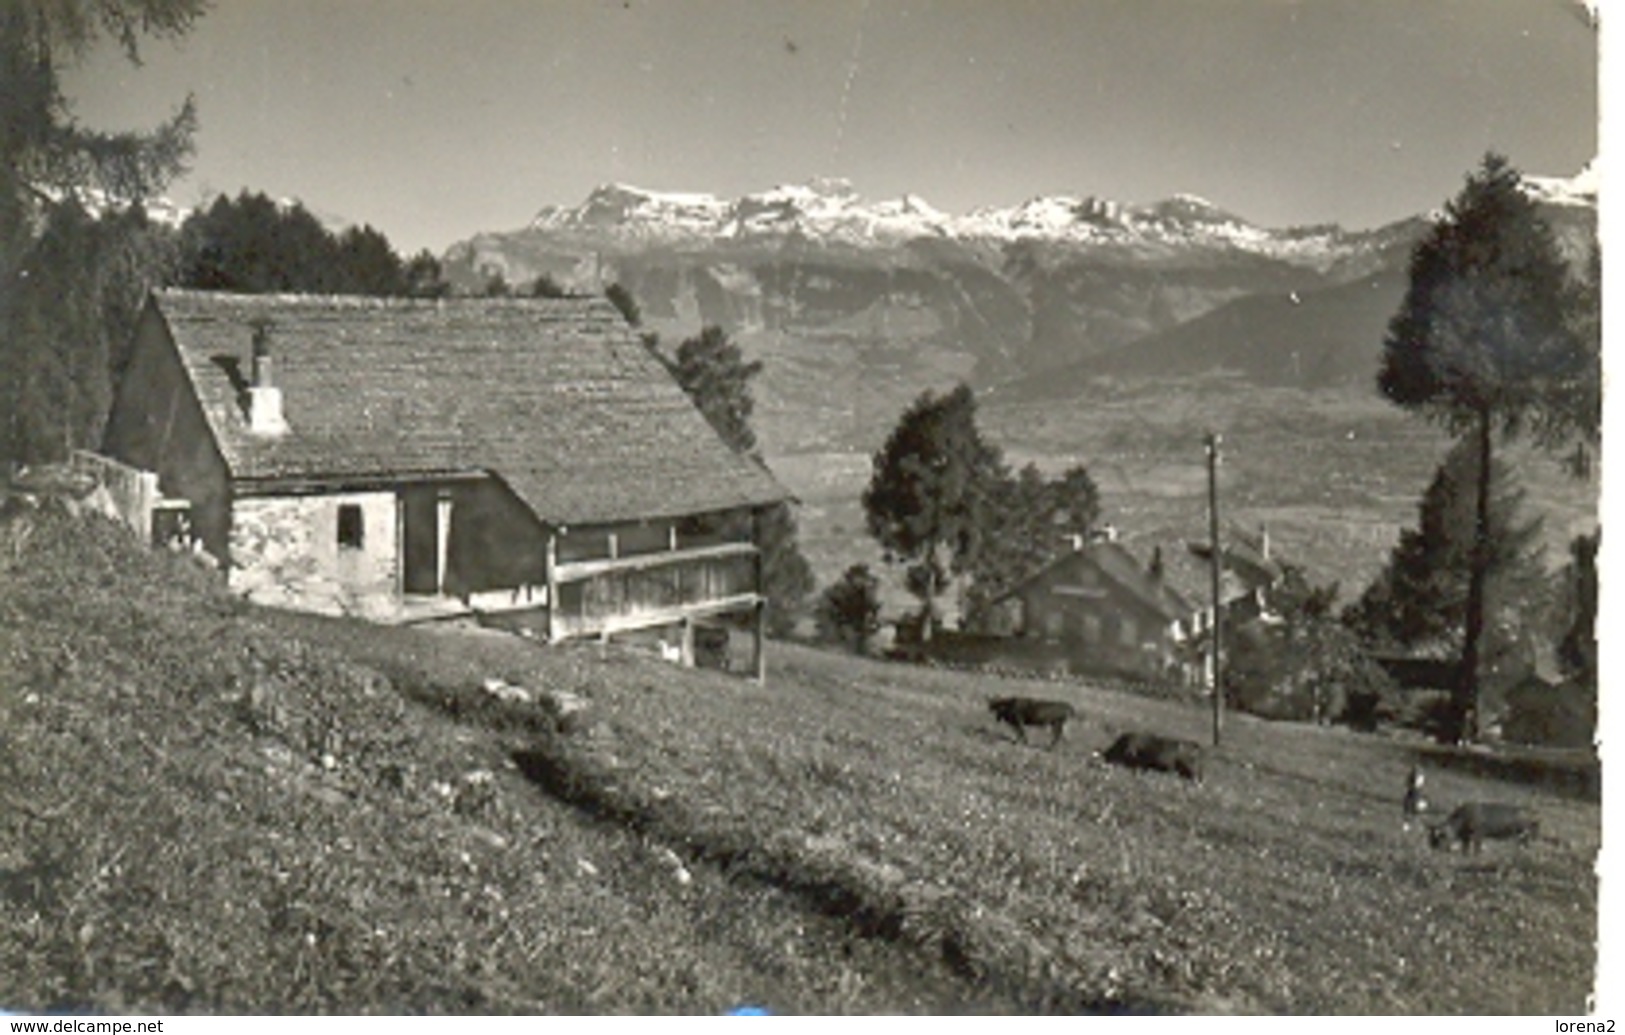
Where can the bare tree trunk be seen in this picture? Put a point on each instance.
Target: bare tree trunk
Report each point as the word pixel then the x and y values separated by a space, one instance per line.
pixel 930 595
pixel 1467 710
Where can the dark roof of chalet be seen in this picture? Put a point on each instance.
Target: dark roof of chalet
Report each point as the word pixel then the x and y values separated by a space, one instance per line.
pixel 1191 576
pixel 1117 564
pixel 557 397
pixel 1247 554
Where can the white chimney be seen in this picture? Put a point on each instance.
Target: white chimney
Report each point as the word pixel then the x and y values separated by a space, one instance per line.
pixel 264 397
pixel 1264 541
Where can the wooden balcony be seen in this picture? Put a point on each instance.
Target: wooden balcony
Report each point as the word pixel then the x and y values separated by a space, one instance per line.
pixel 609 595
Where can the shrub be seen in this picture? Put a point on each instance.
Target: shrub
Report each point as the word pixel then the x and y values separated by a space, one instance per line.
pixel 849 610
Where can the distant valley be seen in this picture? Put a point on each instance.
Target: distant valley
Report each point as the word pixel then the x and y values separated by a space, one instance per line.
pixel 1095 332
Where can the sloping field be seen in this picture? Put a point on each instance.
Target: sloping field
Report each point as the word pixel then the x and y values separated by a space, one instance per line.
pixel 883 794
pixel 202 812
pixel 214 808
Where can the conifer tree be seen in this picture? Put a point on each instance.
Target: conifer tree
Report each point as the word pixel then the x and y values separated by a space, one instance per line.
pixel 62 272
pixel 931 497
pixel 1419 599
pixel 713 371
pixel 1482 345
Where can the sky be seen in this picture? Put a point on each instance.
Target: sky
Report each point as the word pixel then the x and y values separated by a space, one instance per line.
pixel 433 120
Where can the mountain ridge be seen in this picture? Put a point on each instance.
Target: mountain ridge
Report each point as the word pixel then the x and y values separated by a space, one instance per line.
pixel 830 210
pixel 857 306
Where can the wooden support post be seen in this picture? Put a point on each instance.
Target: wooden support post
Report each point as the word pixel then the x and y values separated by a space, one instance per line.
pixel 759 662
pixel 760 649
pixel 1217 560
pixel 442 537
pixel 552 565
pixel 400 545
pixel 686 643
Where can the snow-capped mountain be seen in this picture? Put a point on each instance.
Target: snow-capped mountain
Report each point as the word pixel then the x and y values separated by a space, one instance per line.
pixel 826 210
pixel 1579 190
pixel 160 210
pixel 857 305
pixel 166 211
pixel 830 212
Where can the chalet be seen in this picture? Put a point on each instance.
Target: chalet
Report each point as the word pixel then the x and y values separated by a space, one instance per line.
pixel 525 460
pixel 1107 613
pixel 1249 572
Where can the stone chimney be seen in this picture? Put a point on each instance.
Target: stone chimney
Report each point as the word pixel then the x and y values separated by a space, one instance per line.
pixel 264 397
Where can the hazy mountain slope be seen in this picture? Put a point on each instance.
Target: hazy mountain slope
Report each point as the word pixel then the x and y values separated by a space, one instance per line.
pixel 1315 339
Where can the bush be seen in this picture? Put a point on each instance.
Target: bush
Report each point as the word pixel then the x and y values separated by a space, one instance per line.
pixel 1316 673
pixel 849 611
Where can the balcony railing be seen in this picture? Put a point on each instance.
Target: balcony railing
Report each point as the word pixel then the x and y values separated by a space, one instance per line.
pixel 605 596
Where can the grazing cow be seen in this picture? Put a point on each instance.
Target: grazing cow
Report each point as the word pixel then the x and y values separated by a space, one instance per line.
pixel 1149 751
pixel 1021 712
pixel 1476 822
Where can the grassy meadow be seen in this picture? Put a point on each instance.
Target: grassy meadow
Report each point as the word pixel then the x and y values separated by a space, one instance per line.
pixel 216 808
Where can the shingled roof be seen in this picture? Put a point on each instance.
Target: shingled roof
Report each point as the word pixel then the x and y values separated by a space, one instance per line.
pixel 1114 561
pixel 554 396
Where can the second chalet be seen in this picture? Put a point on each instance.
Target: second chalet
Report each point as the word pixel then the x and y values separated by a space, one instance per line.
pixel 526 460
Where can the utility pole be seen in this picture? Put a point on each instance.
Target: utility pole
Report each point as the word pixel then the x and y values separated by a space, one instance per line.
pixel 1215 559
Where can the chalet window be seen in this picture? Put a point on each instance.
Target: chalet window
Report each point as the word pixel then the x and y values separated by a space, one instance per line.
pixel 1052 625
pixel 1129 632
pixel 351 527
pixel 1091 628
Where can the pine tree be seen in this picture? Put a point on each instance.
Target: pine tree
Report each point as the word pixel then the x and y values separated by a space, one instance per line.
pixel 366 263
pixel 255 245
pixel 622 299
pixel 713 371
pixel 1482 343
pixel 1419 600
pixel 62 272
pixel 544 286
pixel 1578 648
pixel 423 277
pixel 932 495
pixel 44 152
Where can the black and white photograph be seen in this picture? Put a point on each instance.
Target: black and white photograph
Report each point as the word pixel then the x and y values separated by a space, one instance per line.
pixel 690 508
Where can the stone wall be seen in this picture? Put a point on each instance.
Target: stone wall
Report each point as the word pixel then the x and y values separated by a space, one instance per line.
pixel 285 552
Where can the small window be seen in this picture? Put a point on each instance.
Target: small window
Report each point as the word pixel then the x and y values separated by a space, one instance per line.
pixel 1052 625
pixel 1129 631
pixel 351 527
pixel 1091 628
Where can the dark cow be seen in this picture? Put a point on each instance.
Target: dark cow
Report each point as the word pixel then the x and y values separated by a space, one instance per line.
pixel 1149 751
pixel 1476 822
pixel 1021 712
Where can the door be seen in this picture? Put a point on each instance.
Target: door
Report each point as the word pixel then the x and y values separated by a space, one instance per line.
pixel 420 541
